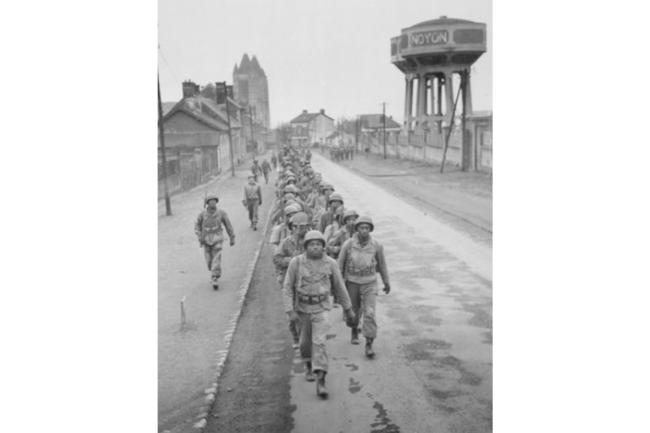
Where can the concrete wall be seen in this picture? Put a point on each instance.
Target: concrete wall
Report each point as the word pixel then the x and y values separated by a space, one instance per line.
pixel 430 146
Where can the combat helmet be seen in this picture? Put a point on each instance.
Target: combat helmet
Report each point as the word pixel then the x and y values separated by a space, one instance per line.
pixel 291 209
pixel 298 219
pixel 314 234
pixel 364 220
pixel 336 197
pixel 211 197
pixel 349 213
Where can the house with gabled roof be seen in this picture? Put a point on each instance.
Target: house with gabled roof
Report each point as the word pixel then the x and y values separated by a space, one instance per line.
pixel 308 128
pixel 196 123
pixel 374 123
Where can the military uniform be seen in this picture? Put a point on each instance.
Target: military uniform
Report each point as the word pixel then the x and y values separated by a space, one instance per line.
pixel 209 229
pixel 359 264
pixel 252 200
pixel 306 290
pixel 290 247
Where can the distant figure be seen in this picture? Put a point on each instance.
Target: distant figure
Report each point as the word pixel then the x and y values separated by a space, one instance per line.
pixel 274 161
pixel 252 199
pixel 266 169
pixel 256 169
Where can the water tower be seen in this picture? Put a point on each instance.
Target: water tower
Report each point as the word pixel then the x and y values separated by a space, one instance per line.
pixel 429 54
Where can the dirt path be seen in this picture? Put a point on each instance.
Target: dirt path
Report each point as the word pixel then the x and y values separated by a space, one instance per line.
pixel 253 394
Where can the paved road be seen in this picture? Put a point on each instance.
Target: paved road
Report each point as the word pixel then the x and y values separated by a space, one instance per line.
pixel 433 371
pixel 187 357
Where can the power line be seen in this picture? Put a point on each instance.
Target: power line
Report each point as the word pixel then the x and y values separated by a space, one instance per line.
pixel 167 64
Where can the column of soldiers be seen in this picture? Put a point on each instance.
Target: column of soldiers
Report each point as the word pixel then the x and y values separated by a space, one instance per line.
pixel 341 153
pixel 322 250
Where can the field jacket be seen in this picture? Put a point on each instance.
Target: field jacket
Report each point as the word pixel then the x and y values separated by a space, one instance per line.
pixel 308 283
pixel 209 226
pixel 360 263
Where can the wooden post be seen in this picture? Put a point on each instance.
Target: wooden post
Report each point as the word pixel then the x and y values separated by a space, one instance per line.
pixel 451 126
pixel 161 132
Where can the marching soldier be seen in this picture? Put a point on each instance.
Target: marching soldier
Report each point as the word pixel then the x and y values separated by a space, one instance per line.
pixel 256 170
pixel 266 169
pixel 335 203
pixel 290 247
pixel 307 285
pixel 283 229
pixel 359 260
pixel 209 229
pixel 252 199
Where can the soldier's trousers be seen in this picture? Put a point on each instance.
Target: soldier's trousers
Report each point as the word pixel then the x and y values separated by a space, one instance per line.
pixel 213 258
pixel 364 300
pixel 313 334
pixel 294 326
pixel 253 205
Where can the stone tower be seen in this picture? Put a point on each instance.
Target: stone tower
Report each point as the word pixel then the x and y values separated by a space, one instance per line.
pixel 251 88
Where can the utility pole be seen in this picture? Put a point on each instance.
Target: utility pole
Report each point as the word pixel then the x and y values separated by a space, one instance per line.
pixel 161 132
pixel 356 135
pixel 232 152
pixel 464 158
pixel 383 118
pixel 250 112
pixel 451 127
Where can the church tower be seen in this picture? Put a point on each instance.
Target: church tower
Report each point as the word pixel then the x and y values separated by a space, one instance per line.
pixel 251 88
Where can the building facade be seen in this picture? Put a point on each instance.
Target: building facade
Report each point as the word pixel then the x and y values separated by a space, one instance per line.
pixel 310 128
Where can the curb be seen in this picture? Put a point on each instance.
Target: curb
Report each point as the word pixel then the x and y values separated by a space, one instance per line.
pixel 222 355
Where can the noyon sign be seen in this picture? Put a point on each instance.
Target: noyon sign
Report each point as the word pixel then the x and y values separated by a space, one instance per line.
pixel 431 37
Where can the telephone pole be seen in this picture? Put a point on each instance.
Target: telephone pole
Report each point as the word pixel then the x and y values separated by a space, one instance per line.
pixel 161 132
pixel 383 118
pixel 250 112
pixel 232 152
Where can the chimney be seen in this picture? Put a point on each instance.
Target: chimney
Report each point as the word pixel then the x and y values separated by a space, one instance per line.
pixel 188 89
pixel 322 111
pixel 304 111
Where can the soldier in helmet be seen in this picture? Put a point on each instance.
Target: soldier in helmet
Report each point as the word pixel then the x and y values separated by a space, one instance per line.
pixel 266 169
pixel 359 260
pixel 307 285
pixel 256 170
pixel 290 247
pixel 283 229
pixel 335 211
pixel 252 199
pixel 209 229
pixel 340 236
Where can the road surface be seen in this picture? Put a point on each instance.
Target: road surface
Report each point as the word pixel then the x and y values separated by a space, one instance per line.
pixel 433 369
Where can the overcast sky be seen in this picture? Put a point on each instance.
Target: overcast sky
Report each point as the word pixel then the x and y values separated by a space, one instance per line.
pixel 331 54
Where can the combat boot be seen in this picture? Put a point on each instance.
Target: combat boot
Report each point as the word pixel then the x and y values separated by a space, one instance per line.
pixel 215 283
pixel 369 352
pixel 321 390
pixel 355 336
pixel 310 376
